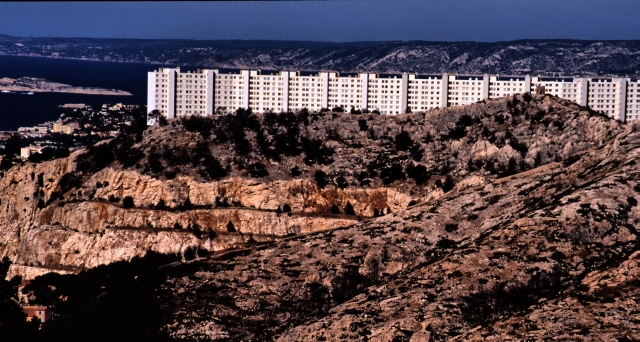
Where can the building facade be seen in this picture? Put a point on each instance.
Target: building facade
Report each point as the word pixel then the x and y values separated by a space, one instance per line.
pixel 176 93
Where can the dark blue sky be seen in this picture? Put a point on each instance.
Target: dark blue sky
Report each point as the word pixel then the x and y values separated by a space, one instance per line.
pixel 372 20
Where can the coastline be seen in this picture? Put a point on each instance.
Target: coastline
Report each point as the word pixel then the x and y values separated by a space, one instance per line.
pixel 22 110
pixel 94 60
pixel 68 91
pixel 40 85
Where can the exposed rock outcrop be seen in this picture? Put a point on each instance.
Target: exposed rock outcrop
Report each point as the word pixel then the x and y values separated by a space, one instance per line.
pixel 551 253
pixel 224 182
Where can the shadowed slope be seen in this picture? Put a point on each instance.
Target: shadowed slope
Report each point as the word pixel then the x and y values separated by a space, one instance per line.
pixel 494 261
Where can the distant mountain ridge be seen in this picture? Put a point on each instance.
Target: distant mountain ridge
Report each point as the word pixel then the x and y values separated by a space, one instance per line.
pixel 535 57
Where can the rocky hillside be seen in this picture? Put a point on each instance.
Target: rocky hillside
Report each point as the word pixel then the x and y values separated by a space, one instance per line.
pixel 549 253
pixel 510 219
pixel 535 57
pixel 204 185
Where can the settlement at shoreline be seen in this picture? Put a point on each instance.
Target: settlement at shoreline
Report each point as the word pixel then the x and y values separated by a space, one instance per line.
pixel 30 84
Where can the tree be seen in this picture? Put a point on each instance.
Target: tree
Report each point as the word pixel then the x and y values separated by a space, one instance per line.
pixel 230 227
pixel 127 202
pixel 418 173
pixel 155 116
pixel 221 110
pixel 190 253
pixel 392 174
pixel 187 203
pixel 161 205
pixel 342 182
pixel 448 184
pixel 162 120
pixel 335 209
pixel 321 179
pixel 348 210
pixel 403 141
pixel 286 208
pixel 317 298
pixel 362 123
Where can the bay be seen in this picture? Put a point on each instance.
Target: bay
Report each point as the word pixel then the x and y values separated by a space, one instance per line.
pixel 17 110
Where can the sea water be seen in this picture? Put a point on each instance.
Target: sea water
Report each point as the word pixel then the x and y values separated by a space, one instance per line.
pixel 18 109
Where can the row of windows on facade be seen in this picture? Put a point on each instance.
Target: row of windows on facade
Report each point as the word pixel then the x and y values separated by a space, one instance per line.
pixel 375 96
pixel 451 88
pixel 162 76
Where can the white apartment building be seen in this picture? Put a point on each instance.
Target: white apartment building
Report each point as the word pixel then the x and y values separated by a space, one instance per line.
pixel 608 95
pixel 633 100
pixel 464 90
pixel 306 90
pixel 570 88
pixel 206 92
pixel 500 86
pixel 426 92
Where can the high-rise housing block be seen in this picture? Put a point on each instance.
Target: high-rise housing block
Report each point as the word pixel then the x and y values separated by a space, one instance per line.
pixel 175 93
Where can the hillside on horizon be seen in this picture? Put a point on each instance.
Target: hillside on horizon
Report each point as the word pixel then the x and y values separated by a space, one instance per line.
pixel 529 56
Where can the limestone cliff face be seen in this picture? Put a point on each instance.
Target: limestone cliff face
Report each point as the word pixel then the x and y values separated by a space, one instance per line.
pixel 214 186
pixel 23 186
